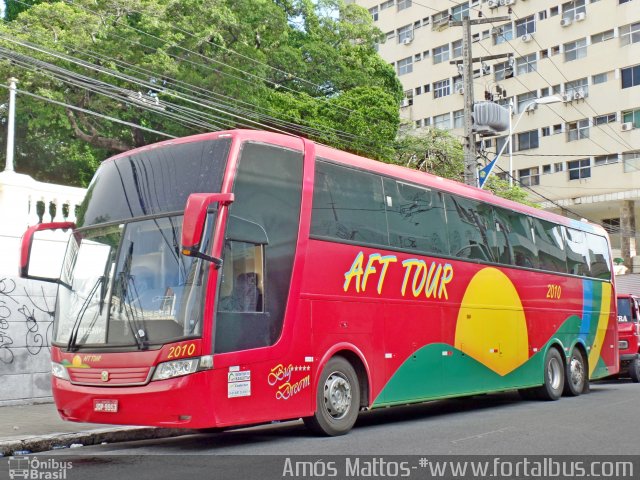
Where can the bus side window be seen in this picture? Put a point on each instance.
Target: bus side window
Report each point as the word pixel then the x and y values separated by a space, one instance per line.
pixel 577 252
pixel 550 244
pixel 471 231
pixel 242 284
pixel 599 256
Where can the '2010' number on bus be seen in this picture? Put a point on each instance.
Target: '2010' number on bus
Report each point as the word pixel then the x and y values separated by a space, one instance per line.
pixel 181 351
pixel 554 291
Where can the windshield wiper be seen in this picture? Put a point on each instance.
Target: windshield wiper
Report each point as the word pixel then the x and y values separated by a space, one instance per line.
pixel 130 312
pixel 71 345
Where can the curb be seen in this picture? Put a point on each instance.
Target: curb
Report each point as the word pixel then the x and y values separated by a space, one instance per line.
pixel 57 441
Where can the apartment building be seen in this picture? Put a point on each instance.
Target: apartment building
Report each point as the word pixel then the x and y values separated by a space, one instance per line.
pixel 579 155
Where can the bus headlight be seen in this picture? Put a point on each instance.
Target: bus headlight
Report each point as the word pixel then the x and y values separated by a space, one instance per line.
pixel 175 368
pixel 59 371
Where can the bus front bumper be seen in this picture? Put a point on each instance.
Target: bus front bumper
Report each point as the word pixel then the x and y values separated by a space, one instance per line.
pixel 182 402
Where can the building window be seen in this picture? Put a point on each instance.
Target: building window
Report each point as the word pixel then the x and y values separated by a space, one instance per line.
pixel 408 96
pixel 456 48
pixel 605 159
pixel 546 131
pixel 460 11
pixel 417 57
pixel 528 140
pixel 503 34
pixel 418 123
pixel 553 11
pixel 529 176
pixel 458 119
pixel 631 76
pixel 524 100
pixel 405 66
pixel 388 4
pixel 557 128
pixel 558 167
pixel 502 71
pixel 402 4
pixel 391 34
pixel 632 116
pixel 438 18
pixel 418 91
pixel 629 33
pixel 575 50
pixel 631 161
pixel 546 169
pixel 580 87
pixel 426 121
pixel 611 225
pixel 374 13
pixel 526 64
pixel 542 15
pixel 604 119
pixel 578 130
pixel 526 25
pixel 443 122
pixel 570 9
pixel 600 78
pixel 405 34
pixel 500 142
pixel 441 54
pixel 602 36
pixel 579 169
pixel 442 88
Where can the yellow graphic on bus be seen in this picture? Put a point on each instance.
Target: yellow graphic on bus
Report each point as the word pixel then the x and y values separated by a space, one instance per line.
pixel 491 326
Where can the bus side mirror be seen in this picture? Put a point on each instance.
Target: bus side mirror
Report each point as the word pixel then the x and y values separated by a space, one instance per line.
pixel 195 214
pixel 27 247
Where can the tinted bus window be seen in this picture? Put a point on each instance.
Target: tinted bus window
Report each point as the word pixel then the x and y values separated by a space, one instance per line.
pixel 348 205
pixel 470 228
pixel 259 248
pixel 599 256
pixel 516 231
pixel 550 244
pixel 577 253
pixel 415 217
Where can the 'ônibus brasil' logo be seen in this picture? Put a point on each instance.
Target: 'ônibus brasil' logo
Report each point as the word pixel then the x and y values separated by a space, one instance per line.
pixel 423 279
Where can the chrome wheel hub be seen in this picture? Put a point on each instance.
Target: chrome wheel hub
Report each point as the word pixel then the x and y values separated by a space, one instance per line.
pixel 337 395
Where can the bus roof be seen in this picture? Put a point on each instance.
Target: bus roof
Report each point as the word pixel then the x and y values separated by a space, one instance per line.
pixel 397 171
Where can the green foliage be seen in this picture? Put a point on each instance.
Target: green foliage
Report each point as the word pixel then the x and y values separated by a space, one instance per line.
pixel 304 62
pixel 502 189
pixel 434 151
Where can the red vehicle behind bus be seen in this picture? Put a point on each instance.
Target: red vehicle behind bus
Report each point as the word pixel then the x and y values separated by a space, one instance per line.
pixel 243 277
pixel 629 335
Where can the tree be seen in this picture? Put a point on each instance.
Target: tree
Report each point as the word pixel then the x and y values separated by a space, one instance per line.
pixel 301 66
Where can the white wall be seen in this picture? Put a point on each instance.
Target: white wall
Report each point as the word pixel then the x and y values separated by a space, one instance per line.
pixel 26 306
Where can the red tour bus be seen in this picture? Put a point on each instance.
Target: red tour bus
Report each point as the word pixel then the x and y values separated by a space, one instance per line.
pixel 242 277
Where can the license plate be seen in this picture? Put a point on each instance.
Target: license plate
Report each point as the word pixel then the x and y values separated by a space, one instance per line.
pixel 109 406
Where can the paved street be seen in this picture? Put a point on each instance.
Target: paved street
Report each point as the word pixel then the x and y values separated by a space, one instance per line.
pixel 605 421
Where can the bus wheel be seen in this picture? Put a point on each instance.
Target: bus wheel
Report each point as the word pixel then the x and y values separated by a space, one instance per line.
pixel 553 376
pixel 337 399
pixel 576 375
pixel 634 370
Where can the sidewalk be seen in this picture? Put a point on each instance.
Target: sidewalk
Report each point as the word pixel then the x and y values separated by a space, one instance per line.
pixel 38 428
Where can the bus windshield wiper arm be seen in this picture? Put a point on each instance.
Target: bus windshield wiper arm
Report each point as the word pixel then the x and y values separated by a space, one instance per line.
pixel 71 344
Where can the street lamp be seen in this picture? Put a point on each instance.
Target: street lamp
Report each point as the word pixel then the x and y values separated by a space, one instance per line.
pixel 486 171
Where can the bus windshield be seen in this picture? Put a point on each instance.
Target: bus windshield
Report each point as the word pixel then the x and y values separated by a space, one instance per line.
pixel 129 286
pixel 125 281
pixel 624 310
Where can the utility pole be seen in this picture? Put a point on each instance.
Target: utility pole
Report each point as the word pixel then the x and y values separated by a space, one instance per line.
pixel 8 167
pixel 470 167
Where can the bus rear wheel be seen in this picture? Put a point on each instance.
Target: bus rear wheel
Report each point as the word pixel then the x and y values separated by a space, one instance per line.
pixel 337 399
pixel 576 375
pixel 553 376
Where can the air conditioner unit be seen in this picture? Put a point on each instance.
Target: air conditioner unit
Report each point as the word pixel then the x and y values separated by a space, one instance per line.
pixel 460 89
pixel 627 126
pixel 580 16
pixel 493 3
pixel 405 102
pixel 407 40
pixel 507 2
pixel 567 97
pixel 565 22
pixel 527 37
pixel 578 95
pixel 495 31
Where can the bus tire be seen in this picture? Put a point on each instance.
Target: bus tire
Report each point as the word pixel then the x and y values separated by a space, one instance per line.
pixel 576 375
pixel 337 399
pixel 634 370
pixel 553 376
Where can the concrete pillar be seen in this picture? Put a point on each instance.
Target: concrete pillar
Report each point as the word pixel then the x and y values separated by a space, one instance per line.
pixel 628 232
